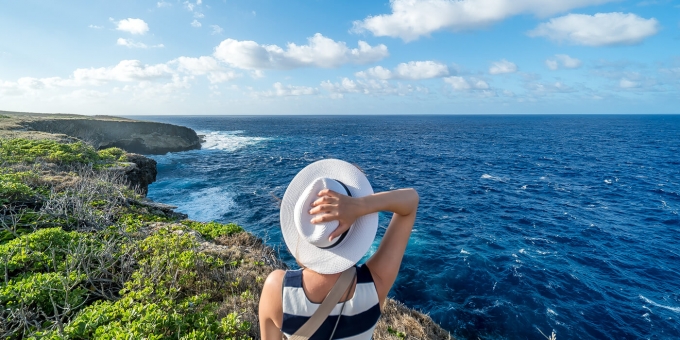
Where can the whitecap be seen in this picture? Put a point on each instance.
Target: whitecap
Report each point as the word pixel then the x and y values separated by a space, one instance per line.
pixel 674 309
pixel 228 140
pixel 208 204
pixel 608 181
pixel 493 178
pixel 463 251
pixel 550 311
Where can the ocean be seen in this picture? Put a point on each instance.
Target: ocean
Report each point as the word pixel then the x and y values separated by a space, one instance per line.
pixel 567 223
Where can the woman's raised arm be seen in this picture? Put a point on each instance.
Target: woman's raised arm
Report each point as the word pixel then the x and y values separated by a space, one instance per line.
pixel 385 263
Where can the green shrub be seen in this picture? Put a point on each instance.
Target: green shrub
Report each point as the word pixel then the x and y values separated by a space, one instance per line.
pixel 24 150
pixel 162 299
pixel 28 151
pixel 26 221
pixel 212 230
pixel 112 154
pixel 168 265
pixel 41 251
pixel 190 318
pixel 43 291
pixel 133 222
pixel 13 186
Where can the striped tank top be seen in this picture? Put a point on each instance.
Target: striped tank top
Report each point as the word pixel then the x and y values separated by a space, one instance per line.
pixel 359 317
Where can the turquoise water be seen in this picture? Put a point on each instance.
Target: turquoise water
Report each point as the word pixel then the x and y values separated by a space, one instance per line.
pixel 564 223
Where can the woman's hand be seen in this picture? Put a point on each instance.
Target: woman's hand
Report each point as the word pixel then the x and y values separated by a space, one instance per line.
pixel 332 206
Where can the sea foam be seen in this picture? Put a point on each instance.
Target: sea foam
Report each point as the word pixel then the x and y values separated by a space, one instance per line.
pixel 674 309
pixel 208 204
pixel 227 140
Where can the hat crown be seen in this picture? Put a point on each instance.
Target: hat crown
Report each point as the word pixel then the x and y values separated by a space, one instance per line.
pixel 316 234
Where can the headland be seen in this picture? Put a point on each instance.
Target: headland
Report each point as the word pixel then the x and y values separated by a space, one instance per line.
pixel 100 131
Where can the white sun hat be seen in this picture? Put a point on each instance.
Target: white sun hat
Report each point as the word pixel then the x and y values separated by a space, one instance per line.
pixel 309 242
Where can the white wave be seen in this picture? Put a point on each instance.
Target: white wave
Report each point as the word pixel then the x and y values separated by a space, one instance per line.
pixel 608 181
pixel 493 178
pixel 208 204
pixel 463 251
pixel 228 140
pixel 674 309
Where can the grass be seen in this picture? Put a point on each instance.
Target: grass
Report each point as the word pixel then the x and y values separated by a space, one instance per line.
pixel 82 258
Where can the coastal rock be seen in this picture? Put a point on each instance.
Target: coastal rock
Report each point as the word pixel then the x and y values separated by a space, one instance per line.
pixel 132 136
pixel 141 173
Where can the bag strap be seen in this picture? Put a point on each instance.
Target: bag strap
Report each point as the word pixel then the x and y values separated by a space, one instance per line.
pixel 312 325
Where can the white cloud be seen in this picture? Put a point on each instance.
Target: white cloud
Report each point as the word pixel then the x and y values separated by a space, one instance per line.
pixel 195 23
pixel 199 66
pixel 129 43
pixel 502 67
pixel 222 76
pixel 462 84
pixel 162 4
pixel 552 64
pixel 216 29
pixel 412 70
pixel 368 87
pixel 628 84
pixel 411 19
pixel 125 71
pixel 204 66
pixel 564 61
pixel 199 15
pixel 281 90
pixel 544 89
pixel 96 27
pixel 133 26
pixel 601 29
pixel 319 52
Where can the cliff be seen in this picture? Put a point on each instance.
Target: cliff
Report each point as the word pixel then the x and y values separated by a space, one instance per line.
pixel 85 257
pixel 100 131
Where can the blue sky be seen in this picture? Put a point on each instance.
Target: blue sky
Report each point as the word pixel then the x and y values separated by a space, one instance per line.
pixel 340 57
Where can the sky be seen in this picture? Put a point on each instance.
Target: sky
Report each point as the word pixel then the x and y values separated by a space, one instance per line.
pixel 267 57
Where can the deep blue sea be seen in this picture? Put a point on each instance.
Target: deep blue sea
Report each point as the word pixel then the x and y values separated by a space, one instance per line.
pixel 564 223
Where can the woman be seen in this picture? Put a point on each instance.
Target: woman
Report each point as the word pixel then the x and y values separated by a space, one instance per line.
pixel 329 220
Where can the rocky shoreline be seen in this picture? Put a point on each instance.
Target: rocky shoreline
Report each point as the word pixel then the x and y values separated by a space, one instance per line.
pixel 235 254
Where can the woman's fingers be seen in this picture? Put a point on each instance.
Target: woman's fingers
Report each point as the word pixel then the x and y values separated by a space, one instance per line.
pixel 338 231
pixel 327 192
pixel 324 218
pixel 322 208
pixel 324 200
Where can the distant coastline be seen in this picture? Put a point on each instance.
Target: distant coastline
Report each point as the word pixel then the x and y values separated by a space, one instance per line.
pixel 100 131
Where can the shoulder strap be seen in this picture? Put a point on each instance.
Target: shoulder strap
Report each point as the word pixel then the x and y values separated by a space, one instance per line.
pixel 333 297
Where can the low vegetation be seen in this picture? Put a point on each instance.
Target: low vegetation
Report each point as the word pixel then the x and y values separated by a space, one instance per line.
pixel 83 257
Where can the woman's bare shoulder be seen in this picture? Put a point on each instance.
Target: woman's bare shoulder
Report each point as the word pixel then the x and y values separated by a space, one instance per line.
pixel 275 279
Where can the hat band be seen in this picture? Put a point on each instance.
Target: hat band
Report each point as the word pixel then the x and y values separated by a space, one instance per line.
pixel 342 237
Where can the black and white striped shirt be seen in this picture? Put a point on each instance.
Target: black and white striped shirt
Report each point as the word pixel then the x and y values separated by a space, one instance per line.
pixel 359 316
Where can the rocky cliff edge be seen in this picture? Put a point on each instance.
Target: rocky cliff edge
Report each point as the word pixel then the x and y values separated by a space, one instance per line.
pixel 100 131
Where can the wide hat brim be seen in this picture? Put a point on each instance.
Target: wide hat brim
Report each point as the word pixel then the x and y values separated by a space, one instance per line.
pixel 359 237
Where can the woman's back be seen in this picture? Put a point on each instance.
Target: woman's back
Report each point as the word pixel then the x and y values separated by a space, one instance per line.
pixel 360 313
pixel 329 219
